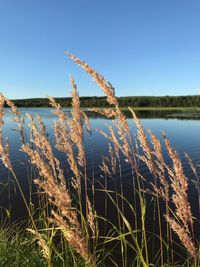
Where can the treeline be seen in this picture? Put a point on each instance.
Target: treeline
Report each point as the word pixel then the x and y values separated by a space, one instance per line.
pixel 133 101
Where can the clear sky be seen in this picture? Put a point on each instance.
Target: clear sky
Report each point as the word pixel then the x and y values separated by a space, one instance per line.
pixel 143 47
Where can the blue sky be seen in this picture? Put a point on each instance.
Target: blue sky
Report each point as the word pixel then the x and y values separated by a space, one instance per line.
pixel 143 47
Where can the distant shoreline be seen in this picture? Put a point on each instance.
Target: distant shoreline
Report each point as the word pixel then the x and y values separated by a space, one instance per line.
pixel 138 102
pixel 190 109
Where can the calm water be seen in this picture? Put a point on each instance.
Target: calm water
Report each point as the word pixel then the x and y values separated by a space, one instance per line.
pixel 183 133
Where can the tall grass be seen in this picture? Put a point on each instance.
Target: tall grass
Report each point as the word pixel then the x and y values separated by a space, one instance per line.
pixel 67 228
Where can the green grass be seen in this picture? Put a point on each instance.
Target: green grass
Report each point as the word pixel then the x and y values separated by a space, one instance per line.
pixel 19 249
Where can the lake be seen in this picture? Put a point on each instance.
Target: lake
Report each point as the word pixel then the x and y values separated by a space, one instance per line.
pixel 182 131
pixel 183 134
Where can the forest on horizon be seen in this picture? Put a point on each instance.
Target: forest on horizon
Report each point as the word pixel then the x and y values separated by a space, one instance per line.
pixel 133 101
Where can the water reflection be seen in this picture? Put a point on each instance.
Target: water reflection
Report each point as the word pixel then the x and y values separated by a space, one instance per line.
pixel 183 133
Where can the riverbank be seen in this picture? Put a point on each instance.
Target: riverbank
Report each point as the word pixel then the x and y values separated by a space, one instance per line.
pixel 140 102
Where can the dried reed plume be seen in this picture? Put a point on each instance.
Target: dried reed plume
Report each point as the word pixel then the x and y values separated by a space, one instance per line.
pixel 4 149
pixel 64 142
pixel 18 118
pixel 99 79
pixel 69 134
pixel 180 186
pixel 104 167
pixel 90 217
pixel 154 160
pixel 147 158
pixel 163 189
pixel 52 182
pixel 65 215
pixel 74 237
pixel 45 249
pixel 107 112
pixel 76 125
pixel 196 180
pixel 182 223
pixel 183 235
pixel 113 159
pixel 121 122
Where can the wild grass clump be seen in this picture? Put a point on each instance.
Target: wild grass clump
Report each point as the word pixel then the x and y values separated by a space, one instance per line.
pixel 68 230
pixel 19 249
